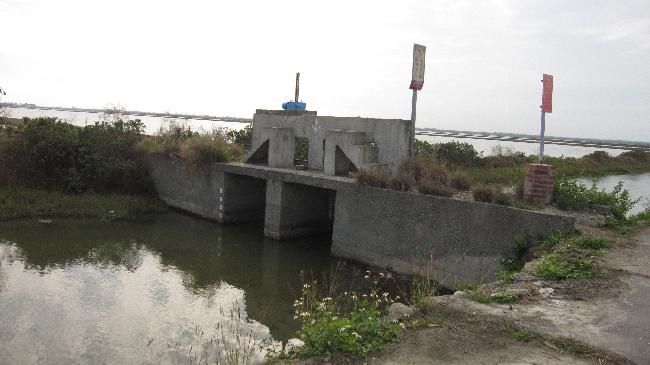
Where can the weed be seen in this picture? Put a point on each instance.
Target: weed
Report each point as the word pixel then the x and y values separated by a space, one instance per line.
pixel 517 333
pixel 345 323
pixel 503 198
pixel 28 203
pixel 403 181
pixel 560 267
pixel 433 188
pixel 575 347
pixel 379 178
pixel 593 243
pixel 459 181
pixel 484 194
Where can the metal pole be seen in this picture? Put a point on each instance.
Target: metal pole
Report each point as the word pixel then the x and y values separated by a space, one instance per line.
pixel 297 85
pixel 541 139
pixel 413 110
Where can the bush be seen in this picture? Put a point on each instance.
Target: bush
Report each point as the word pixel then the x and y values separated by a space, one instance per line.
pixel 54 155
pixel 379 178
pixel 571 194
pixel 459 181
pixel 242 137
pixel 636 155
pixel 403 181
pixel 429 187
pixel 598 156
pixel 175 140
pixel 456 153
pixel 484 194
pixel 503 198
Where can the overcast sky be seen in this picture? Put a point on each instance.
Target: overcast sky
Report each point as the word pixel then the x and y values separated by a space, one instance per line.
pixel 484 60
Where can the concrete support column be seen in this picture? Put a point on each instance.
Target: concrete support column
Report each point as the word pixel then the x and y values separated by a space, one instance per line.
pixel 294 210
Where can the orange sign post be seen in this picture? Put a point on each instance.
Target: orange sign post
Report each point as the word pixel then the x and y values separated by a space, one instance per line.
pixel 547 107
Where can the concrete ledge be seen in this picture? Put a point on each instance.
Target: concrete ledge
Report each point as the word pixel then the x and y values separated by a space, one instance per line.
pixel 451 240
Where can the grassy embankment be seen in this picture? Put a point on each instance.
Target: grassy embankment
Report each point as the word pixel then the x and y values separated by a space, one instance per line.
pixel 49 168
pixel 446 169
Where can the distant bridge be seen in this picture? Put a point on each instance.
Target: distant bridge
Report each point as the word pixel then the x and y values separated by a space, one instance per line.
pixel 528 138
pixel 433 132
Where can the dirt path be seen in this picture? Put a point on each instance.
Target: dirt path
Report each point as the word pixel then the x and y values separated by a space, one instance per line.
pixel 614 319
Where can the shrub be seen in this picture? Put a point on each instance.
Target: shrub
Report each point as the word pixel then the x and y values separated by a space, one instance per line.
pixel 242 137
pixel 51 154
pixel 598 156
pixel 484 194
pixel 434 188
pixel 636 155
pixel 456 153
pixel 459 181
pixel 418 166
pixel 379 178
pixel 503 198
pixel 424 148
pixel 403 181
pixel 571 194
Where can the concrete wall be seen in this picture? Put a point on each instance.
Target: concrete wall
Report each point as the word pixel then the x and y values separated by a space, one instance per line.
pixel 452 240
pixel 391 135
pixel 208 191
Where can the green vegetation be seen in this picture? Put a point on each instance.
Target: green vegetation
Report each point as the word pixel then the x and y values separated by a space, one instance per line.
pixel 570 345
pixel 593 243
pixel 483 194
pixel 32 203
pixel 177 141
pixel 349 323
pixel 560 267
pixel 518 334
pixel 50 168
pixel 446 169
pixel 46 153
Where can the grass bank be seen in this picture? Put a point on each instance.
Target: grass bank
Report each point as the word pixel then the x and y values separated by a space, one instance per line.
pixel 33 203
pixel 50 168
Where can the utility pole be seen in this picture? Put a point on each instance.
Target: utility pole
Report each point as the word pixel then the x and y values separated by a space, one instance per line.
pixel 297 86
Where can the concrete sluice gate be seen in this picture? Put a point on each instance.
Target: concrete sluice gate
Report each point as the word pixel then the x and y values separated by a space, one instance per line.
pixel 450 240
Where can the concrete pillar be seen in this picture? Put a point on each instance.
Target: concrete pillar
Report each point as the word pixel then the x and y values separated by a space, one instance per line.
pixel 282 147
pixel 295 210
pixel 539 183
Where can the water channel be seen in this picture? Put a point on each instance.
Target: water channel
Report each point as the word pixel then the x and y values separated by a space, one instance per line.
pixel 95 292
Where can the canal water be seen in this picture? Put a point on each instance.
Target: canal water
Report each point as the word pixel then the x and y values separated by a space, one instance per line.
pixel 101 292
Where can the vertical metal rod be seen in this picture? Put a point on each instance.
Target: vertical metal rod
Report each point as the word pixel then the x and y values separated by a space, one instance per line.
pixel 413 112
pixel 297 85
pixel 541 139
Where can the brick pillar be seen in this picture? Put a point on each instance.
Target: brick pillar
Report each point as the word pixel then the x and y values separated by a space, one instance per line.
pixel 539 182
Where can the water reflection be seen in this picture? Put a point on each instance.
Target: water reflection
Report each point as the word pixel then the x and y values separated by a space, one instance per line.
pixel 81 291
pixel 638 186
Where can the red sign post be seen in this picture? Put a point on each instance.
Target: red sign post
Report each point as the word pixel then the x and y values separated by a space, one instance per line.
pixel 547 107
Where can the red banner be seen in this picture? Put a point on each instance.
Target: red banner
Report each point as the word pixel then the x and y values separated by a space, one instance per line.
pixel 547 94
